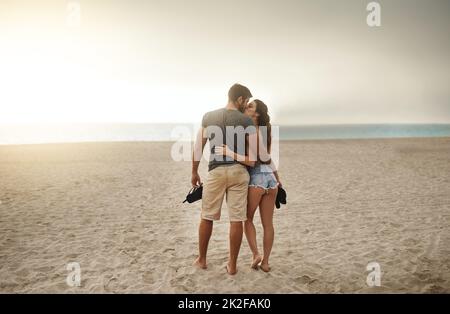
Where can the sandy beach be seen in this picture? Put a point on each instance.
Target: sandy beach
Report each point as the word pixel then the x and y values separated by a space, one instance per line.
pixel 116 209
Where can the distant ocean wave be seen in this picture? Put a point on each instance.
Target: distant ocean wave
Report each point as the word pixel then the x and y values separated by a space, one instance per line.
pixel 363 131
pixel 33 134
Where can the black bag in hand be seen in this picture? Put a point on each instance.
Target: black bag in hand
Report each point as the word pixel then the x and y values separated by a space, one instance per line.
pixel 194 194
pixel 281 197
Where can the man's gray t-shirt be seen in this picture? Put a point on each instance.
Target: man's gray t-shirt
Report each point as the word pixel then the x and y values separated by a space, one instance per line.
pixel 237 126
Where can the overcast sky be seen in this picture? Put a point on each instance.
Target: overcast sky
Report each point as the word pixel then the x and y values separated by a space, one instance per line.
pixel 312 62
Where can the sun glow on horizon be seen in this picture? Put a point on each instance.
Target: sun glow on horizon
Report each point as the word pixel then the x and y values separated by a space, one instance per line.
pixel 55 85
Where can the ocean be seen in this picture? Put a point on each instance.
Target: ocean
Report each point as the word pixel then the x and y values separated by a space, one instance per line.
pixel 34 134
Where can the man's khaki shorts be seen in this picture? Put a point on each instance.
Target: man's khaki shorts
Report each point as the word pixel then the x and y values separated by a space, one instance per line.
pixel 229 180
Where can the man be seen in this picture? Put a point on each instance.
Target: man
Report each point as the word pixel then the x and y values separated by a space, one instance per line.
pixel 225 176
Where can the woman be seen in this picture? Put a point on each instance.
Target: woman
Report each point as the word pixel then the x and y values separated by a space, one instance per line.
pixel 263 186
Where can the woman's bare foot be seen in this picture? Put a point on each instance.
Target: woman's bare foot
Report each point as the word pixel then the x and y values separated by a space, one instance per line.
pixel 255 261
pixel 200 264
pixel 265 267
pixel 230 270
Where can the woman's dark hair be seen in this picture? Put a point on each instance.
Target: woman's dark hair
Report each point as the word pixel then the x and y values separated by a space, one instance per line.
pixel 264 120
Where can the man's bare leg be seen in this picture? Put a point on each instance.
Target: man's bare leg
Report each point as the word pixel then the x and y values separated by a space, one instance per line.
pixel 204 234
pixel 236 231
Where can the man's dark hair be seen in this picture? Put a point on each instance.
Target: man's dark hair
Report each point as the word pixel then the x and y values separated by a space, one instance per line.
pixel 238 90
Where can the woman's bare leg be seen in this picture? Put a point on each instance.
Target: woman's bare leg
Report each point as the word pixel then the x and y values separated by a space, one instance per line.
pixel 254 197
pixel 266 208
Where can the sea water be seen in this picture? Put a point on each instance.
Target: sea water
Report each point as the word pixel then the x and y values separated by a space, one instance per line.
pixel 66 133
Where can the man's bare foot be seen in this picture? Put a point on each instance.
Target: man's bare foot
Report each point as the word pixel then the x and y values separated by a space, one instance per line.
pixel 265 267
pixel 256 260
pixel 231 271
pixel 200 264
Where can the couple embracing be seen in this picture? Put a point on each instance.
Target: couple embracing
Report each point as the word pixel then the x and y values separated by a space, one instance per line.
pixel 241 169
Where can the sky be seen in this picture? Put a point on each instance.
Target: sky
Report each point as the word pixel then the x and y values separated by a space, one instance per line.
pixel 311 62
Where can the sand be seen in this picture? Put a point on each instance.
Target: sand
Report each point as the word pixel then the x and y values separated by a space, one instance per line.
pixel 115 208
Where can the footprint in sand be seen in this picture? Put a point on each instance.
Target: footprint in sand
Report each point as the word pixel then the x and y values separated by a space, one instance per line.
pixel 110 284
pixel 148 278
pixel 305 280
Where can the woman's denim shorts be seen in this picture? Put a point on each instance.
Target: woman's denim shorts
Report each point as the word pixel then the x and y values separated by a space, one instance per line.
pixel 262 176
